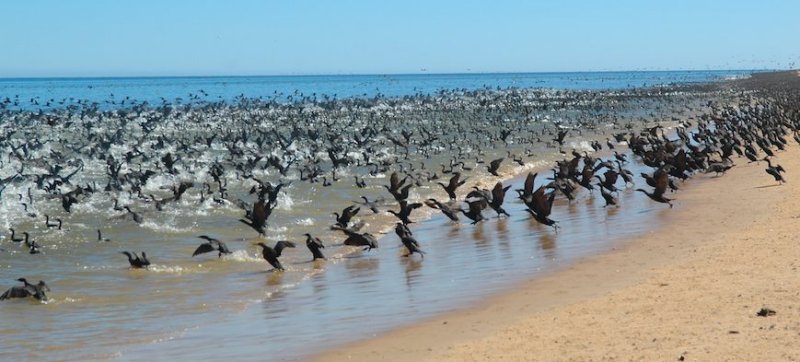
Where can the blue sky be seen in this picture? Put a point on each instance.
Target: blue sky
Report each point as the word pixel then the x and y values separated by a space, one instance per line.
pixel 175 37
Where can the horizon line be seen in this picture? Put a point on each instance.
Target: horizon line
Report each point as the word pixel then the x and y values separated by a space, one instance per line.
pixel 3 78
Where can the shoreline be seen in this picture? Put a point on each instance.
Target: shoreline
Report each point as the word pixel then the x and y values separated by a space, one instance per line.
pixel 583 311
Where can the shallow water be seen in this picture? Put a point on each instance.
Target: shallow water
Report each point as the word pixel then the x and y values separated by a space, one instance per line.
pixel 210 308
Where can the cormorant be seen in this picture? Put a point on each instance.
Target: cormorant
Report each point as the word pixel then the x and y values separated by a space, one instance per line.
pixel 135 261
pixel 314 245
pixel 271 255
pixel 210 245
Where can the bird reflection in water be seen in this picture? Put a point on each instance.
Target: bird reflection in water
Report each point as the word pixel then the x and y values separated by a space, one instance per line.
pixel 413 274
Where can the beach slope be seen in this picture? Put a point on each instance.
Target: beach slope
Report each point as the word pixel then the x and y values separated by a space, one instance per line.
pixel 690 290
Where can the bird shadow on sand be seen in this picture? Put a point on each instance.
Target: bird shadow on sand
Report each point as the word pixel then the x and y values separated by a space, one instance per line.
pixel 767 186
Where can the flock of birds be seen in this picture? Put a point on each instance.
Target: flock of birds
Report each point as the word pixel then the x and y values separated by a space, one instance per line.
pixel 752 129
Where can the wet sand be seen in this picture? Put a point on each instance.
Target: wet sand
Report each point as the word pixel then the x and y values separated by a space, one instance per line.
pixel 691 287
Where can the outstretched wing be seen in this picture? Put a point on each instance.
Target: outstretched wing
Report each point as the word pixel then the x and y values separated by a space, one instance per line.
pixel 529 181
pixel 203 248
pixel 280 245
pixel 661 183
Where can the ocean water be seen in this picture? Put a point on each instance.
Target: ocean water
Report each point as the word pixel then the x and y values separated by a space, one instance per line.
pixel 208 308
pixel 112 92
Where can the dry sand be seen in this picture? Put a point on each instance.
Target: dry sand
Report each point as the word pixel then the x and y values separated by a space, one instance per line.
pixel 691 288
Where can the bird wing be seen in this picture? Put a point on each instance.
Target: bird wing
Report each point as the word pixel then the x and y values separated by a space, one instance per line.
pixel 259 214
pixel 611 177
pixel 661 183
pixel 539 201
pixel 203 248
pixel 496 163
pixel 498 193
pixel 529 181
pixel 454 180
pixel 280 245
pixel 15 292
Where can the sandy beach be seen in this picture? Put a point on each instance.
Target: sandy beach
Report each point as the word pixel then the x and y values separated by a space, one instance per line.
pixel 690 289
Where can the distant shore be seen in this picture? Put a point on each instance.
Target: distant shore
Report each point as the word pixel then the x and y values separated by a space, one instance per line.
pixel 690 289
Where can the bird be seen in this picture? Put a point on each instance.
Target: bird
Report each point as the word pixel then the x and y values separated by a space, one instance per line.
pixel 408 240
pixel 314 244
pixel 136 216
pixel 271 254
pixel 560 137
pixel 608 197
pixel 494 166
pixel 210 245
pixel 449 210
pixel 100 236
pixel 405 211
pixel 475 208
pixel 661 179
pixel 347 214
pixel 13 236
pixel 372 205
pixel 526 193
pixel 47 222
pixel 454 183
pixel 498 195
pixel 135 261
pixel 257 217
pixel 355 238
pixel 775 171
pixel 37 291
pixel 541 206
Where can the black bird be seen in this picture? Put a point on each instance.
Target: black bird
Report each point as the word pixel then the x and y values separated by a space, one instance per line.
pixel 314 244
pixel 355 238
pixel 408 240
pixel 661 182
pixel 396 187
pixel 494 166
pixel 775 171
pixel 257 217
pixel 100 236
pixel 451 211
pixel 37 291
pixel 455 183
pixel 347 214
pixel 135 261
pixel 608 197
pixel 560 137
pixel 210 245
pixel 526 193
pixel 33 248
pixel 271 255
pixel 372 205
pixel 541 206
pixel 498 195
pixel 136 216
pixel 52 225
pixel 13 237
pixel 405 211
pixel 475 208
